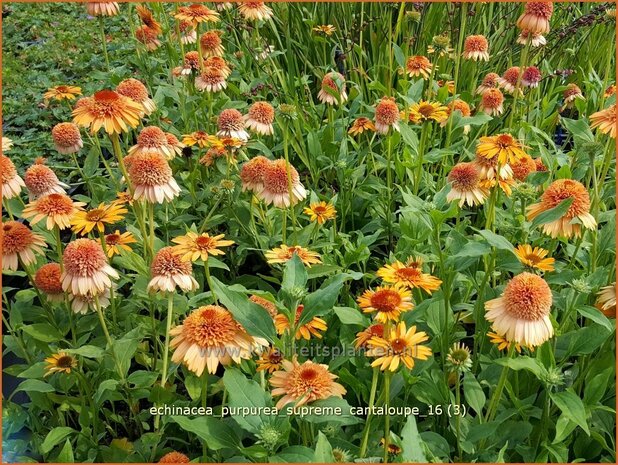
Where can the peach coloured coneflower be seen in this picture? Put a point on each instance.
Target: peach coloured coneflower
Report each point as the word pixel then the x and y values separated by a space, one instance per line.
pixel 175 145
pixel 7 144
pixel 146 17
pixel 210 336
pixel 151 177
pixel 47 280
pixel 536 16
pixel 67 138
pixel 231 124
pixel 531 77
pixel 605 120
pixel 284 253
pixel 169 270
pixel 539 165
pixel 504 146
pixel 450 85
pixel 218 63
pixel 490 81
pixel 11 181
pixel 41 180
pixel 199 138
pixel 364 336
pixel 191 62
pixel 361 125
pixel 388 301
pixel 211 155
pixel 86 269
pixel 418 66
pixel 136 91
pixel 266 304
pixel 459 105
pixel 523 167
pixel 571 93
pixel 196 14
pixel 270 360
pixel 606 300
pixel 304 383
pixel 320 212
pixel 102 8
pixel 490 169
pixel 193 246
pixel 210 79
pixel 211 44
pixel 62 92
pixel 333 89
pixel 501 343
pixel 252 173
pixel 60 363
pixel 82 304
pixel 534 39
pixel 174 457
pixel 148 36
pixel 188 34
pixel 386 115
pixel 282 186
pixel 492 102
pixel 465 181
pixel 116 242
pixel 83 222
pixel 109 110
pixel 534 257
pixel 521 313
pixel 510 79
pixel 402 345
pixel 564 226
pixel 311 328
pixel 476 48
pixel 152 139
pixel 20 243
pixel 423 111
pixel 260 118
pixel 255 11
pixel 409 275
pixel 56 209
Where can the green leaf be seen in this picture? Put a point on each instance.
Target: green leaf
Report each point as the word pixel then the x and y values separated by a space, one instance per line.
pixel 217 434
pixel 35 385
pixel 323 450
pixel 476 120
pixel 253 317
pixel 399 56
pixel 294 274
pixel 294 454
pixel 87 351
pixel 108 385
pixel 350 316
pixel 412 446
pixel 596 316
pixel 552 215
pixel 91 163
pixel 345 418
pixel 244 392
pixel 495 240
pixel 523 363
pixel 473 393
pixel 43 332
pixel 66 453
pixel 319 302
pixel 572 408
pixel 54 437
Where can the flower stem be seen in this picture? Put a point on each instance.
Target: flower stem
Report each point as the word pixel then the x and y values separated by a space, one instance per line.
pixel 104 42
pixel 209 281
pixel 387 418
pixel 166 348
pixel 372 398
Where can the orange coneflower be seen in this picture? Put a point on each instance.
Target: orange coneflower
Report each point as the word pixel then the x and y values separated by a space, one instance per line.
pixel 151 177
pixel 539 165
pixel 86 269
pixel 145 15
pixel 536 16
pixel 284 253
pixel 199 138
pixel 67 138
pixel 90 301
pixel 174 144
pixel 116 242
pixel 152 139
pixel 605 120
pixel 557 192
pixel 490 81
pixel 523 167
pixel 476 48
pixel 230 123
pixel 534 39
pixel 492 102
pixel 510 80
pixel 277 177
pixel 210 79
pixel 107 109
pixel 218 63
pixel 136 91
pixel 501 343
pixel 465 181
pixel 210 336
pixel 148 36
pixel 606 300
pixel 304 383
pixel 333 89
pixel 570 94
pixel 85 221
pixel 47 280
pixel 418 66
pixel 11 181
pixel 260 118
pixel 193 246
pixel 534 258
pixel 311 328
pixel 252 174
pixel 388 301
pixel 211 44
pixel 450 85
pixel 169 270
pixel 174 457
pixel 102 8
pixel 462 107
pixel 531 77
pixel 386 115
pixel 393 449
pixel 255 11
pixel 41 180
pixel 62 92
pixel 504 146
pixel 60 363
pixel 410 275
pixel 361 125
pixel 56 209
pixel 270 360
pixel 611 90
pixel 320 212
pixel 402 345
pixel 423 111
pixel 196 14
pixel 20 243
pixel 188 34
pixel 191 62
pixel 267 305
pixel 521 313
pixel 326 29
pixel 364 336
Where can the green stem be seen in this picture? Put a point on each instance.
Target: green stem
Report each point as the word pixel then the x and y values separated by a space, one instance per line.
pixel 209 281
pixel 372 398
pixel 104 41
pixel 387 418
pixel 166 348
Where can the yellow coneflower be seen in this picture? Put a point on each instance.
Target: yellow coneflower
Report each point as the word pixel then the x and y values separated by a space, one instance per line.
pixel 490 81
pixel 116 242
pixel 60 363
pixel 260 118
pixel 109 110
pixel 536 16
pixel 199 138
pixel 521 313
pixel 102 8
pixel 284 253
pixel 476 48
pixel 466 187
pixel 56 209
pixel 174 457
pixel 333 89
pixel 85 221
pixel 151 177
pixel 504 146
pixel 67 138
pixel 606 300
pixel 20 243
pixel 168 270
pixel 62 93
pixel 605 120
pixel 252 174
pixel 361 125
pixel 255 11
pixel 196 14
pixel 534 258
pixel 326 29
pixel 418 66
pixel 386 115
pixel 47 280
pixel 86 270
pixel 401 345
pixel 388 302
pixel 193 246
pixel 137 91
pixel 41 180
pixel 211 43
pixel 364 336
pixel 311 328
pixel 501 343
pixel 410 275
pixel 423 111
pixel 320 212
pixel 276 179
pixel 11 181
pixel 304 383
